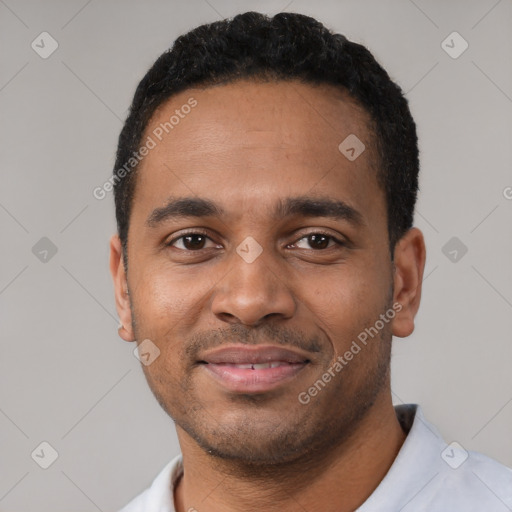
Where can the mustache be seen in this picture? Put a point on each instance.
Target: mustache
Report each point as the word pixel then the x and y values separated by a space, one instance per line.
pixel 238 333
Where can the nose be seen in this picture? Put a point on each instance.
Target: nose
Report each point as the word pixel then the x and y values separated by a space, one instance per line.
pixel 253 292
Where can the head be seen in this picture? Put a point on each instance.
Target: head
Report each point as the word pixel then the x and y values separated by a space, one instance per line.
pixel 271 207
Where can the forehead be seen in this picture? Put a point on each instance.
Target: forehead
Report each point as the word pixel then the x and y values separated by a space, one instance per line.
pixel 249 142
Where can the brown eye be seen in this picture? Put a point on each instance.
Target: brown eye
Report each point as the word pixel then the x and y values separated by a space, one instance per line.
pixel 189 242
pixel 317 241
pixel 193 242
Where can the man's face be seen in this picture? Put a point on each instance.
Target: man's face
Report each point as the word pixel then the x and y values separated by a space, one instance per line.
pixel 261 278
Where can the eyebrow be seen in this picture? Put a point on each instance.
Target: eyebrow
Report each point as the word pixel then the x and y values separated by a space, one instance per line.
pixel 303 206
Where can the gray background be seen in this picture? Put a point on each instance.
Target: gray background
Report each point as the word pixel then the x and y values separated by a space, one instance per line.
pixel 66 377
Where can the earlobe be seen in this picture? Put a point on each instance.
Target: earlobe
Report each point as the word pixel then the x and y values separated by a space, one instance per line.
pixel 409 264
pixel 121 289
pixel 125 334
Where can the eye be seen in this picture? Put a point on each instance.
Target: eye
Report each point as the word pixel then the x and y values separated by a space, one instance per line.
pixel 197 241
pixel 193 241
pixel 318 241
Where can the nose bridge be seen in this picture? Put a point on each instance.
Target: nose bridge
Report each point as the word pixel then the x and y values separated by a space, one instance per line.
pixel 251 270
pixel 253 288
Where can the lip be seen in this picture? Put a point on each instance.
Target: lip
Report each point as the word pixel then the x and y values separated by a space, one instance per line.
pixel 222 364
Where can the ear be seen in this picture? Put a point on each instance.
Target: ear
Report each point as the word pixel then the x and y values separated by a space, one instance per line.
pixel 409 264
pixel 121 289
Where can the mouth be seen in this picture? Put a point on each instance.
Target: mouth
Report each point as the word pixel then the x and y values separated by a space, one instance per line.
pixel 256 369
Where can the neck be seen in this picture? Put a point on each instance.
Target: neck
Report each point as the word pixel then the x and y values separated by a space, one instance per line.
pixel 338 481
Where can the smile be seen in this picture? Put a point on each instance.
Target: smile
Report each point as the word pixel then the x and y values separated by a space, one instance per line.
pixel 255 369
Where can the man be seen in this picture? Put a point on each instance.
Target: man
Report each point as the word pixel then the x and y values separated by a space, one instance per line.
pixel 265 185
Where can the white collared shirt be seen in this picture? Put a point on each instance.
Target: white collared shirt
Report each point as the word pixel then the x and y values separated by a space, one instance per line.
pixel 428 475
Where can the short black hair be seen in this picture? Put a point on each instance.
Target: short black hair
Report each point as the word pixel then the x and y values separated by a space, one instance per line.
pixel 286 46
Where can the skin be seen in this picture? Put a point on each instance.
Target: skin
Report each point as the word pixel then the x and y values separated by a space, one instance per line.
pixel 245 146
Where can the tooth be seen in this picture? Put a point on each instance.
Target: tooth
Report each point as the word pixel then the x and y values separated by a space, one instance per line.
pixel 260 366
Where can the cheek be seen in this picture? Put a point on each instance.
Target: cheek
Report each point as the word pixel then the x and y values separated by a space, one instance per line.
pixel 159 296
pixel 167 307
pixel 344 303
pixel 163 311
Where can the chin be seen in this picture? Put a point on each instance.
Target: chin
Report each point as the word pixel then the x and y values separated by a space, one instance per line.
pixel 250 443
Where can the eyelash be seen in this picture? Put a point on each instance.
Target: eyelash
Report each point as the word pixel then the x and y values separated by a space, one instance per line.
pixel 337 241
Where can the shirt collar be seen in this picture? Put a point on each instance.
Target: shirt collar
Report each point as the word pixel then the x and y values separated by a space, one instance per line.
pixel 416 464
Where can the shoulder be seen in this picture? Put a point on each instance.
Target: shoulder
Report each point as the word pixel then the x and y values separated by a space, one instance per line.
pixel 159 496
pixel 478 482
pixel 430 475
